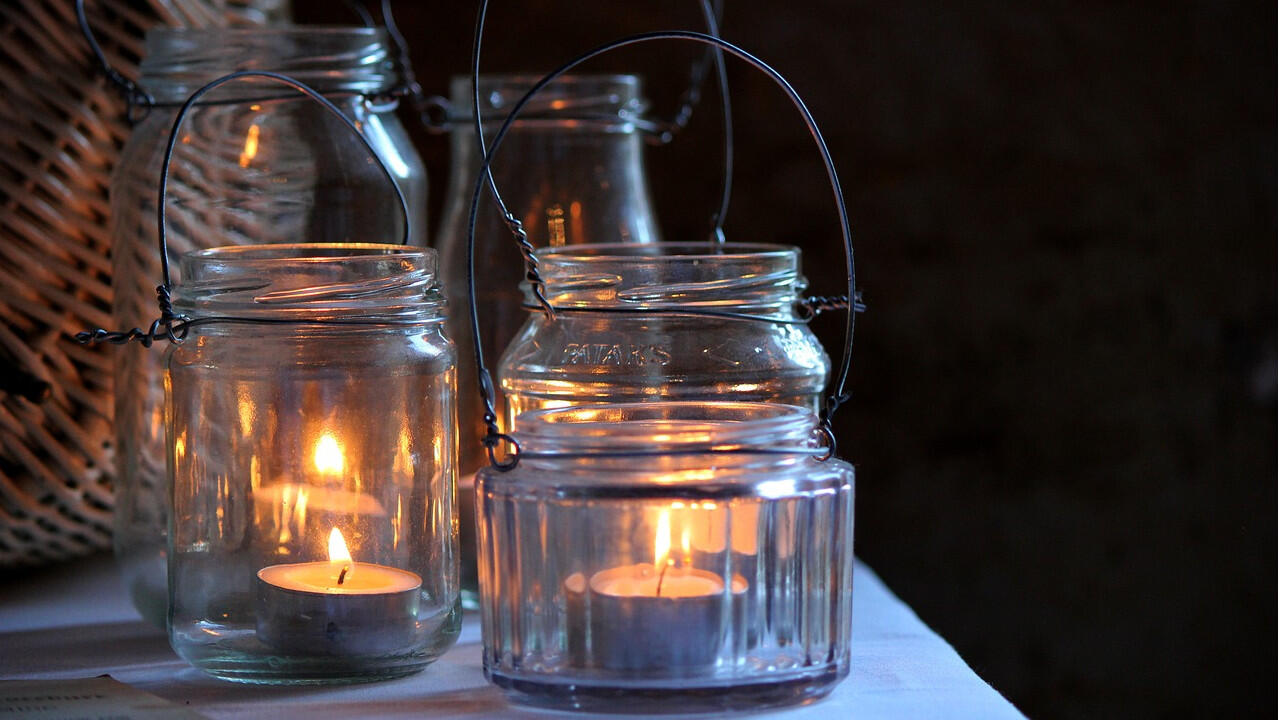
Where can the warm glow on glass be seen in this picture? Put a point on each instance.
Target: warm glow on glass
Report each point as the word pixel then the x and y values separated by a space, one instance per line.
pixel 328 455
pixel 250 146
pixel 555 226
pixel 662 541
pixel 686 552
pixel 575 221
pixel 245 410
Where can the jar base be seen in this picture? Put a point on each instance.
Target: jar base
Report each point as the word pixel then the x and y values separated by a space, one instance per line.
pixel 678 697
pixel 144 568
pixel 258 670
pixel 340 677
pixel 238 656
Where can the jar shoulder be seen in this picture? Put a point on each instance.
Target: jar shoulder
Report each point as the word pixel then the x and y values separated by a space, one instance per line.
pixel 415 351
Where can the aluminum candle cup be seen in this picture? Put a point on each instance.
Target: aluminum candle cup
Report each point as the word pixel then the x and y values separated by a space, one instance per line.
pixel 640 625
pixel 303 610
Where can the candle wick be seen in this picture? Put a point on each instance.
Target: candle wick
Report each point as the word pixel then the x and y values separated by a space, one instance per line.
pixel 662 575
pixel 343 575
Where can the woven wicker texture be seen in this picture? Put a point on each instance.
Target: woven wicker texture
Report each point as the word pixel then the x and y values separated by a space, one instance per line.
pixel 63 128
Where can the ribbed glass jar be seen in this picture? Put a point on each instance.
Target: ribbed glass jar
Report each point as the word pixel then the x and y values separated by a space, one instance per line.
pixel 256 162
pixel 675 557
pixel 623 338
pixel 312 447
pixel 572 170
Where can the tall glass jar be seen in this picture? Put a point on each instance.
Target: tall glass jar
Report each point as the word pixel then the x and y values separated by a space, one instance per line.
pixel 312 446
pixel 684 556
pixel 256 162
pixel 622 338
pixel 572 169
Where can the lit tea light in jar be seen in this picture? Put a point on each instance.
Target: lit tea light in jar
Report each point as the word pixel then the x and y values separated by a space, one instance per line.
pixel 655 616
pixel 338 606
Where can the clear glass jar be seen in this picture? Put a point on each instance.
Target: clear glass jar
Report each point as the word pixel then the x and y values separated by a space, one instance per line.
pixel 285 434
pixel 256 163
pixel 629 557
pixel 572 169
pixel 591 353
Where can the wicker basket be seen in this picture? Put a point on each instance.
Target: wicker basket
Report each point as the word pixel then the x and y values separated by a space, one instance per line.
pixel 63 128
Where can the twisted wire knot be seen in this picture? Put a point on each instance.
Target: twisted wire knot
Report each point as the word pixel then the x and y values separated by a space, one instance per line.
pixel 137 102
pixel 169 326
pixel 815 305
pixel 530 263
pixel 493 436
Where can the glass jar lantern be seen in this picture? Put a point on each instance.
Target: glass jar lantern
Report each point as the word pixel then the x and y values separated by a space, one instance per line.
pixel 312 449
pixel 675 556
pixel 696 556
pixel 628 329
pixel 572 169
pixel 256 163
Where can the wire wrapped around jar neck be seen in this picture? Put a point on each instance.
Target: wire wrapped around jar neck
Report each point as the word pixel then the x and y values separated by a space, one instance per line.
pixel 377 75
pixel 608 103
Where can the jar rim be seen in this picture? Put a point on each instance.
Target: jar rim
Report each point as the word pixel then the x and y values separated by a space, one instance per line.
pixel 301 281
pixel 165 31
pixel 648 252
pixel 527 79
pixel 758 278
pixel 330 58
pixel 294 252
pixel 609 102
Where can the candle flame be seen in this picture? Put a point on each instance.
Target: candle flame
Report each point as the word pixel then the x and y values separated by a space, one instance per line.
pixel 662 541
pixel 338 552
pixel 328 456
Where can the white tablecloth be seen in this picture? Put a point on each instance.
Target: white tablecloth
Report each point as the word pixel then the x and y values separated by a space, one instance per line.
pixel 76 621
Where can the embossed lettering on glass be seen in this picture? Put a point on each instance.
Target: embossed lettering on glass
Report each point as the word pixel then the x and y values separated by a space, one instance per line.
pixel 605 347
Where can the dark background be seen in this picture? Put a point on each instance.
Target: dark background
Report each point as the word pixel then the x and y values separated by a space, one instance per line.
pixel 1065 408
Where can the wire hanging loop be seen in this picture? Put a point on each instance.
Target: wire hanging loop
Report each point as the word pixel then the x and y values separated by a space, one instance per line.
pixel 171 326
pixel 664 131
pixel 837 394
pixel 136 100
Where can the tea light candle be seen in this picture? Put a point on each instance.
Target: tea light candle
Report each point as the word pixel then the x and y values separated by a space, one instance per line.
pixel 653 617
pixel 339 607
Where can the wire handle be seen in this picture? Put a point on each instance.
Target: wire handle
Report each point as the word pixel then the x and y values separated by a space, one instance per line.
pixel 664 131
pixel 135 97
pixel 837 395
pixel 170 326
